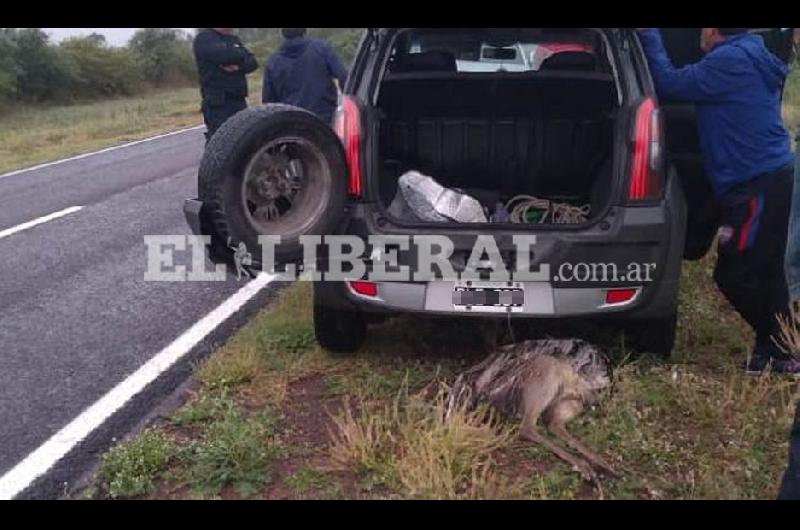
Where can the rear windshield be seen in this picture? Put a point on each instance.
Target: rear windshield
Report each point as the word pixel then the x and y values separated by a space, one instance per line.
pixel 496 51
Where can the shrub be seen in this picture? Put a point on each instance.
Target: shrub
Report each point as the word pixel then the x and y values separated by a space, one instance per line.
pixel 164 55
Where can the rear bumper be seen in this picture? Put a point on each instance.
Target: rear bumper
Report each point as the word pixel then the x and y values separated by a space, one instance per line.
pixel 542 301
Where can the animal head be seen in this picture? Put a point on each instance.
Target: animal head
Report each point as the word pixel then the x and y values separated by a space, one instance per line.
pixel 592 364
pixel 587 360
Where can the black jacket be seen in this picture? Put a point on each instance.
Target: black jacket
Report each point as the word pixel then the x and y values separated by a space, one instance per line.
pixel 212 51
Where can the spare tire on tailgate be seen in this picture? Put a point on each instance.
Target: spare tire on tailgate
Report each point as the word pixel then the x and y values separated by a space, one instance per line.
pixel 273 170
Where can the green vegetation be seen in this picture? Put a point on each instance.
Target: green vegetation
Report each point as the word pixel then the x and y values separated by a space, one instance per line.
pixel 33 70
pixel 236 450
pixel 129 469
pixel 288 420
pixel 80 95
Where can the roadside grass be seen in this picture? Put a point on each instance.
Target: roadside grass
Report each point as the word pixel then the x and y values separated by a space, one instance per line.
pixel 412 449
pixel 310 483
pixel 274 416
pixel 208 447
pixel 237 450
pixel 30 135
pixel 130 469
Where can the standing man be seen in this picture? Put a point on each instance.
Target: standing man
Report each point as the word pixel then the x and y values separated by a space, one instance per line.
pixel 790 488
pixel 302 72
pixel 737 90
pixel 223 64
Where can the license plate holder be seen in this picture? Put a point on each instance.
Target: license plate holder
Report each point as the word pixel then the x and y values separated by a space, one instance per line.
pixel 488 297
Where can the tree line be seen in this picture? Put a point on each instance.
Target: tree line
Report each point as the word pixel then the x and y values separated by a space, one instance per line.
pixel 35 70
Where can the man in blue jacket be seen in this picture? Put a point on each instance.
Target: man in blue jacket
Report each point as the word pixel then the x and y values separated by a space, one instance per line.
pixel 737 89
pixel 301 73
pixel 222 64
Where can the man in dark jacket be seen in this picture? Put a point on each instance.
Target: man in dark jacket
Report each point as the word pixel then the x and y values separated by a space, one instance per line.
pixel 737 89
pixel 222 63
pixel 301 73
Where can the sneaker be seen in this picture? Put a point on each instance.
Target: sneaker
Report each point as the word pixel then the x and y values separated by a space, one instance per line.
pixel 788 366
pixel 757 365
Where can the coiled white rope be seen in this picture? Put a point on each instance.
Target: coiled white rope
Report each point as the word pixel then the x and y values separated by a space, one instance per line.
pixel 553 212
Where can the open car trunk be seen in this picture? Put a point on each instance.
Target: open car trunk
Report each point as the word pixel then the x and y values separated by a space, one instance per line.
pixel 546 133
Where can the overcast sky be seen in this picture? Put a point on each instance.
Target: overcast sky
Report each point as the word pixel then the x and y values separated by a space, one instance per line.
pixel 114 36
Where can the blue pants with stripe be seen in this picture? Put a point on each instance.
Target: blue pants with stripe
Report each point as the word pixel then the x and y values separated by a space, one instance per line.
pixel 750 271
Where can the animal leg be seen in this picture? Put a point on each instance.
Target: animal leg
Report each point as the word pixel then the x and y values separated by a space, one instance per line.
pixel 559 417
pixel 531 434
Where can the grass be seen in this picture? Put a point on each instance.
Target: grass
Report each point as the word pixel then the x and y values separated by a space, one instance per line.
pixel 277 417
pixel 230 370
pixel 236 450
pixel 31 135
pixel 200 410
pixel 129 469
pixel 308 482
pixel 410 448
pixel 789 340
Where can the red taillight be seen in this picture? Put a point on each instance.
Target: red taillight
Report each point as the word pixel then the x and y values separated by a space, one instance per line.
pixel 646 164
pixel 348 127
pixel 620 296
pixel 365 288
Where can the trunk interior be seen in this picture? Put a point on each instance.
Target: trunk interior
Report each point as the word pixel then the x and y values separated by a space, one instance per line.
pixel 496 137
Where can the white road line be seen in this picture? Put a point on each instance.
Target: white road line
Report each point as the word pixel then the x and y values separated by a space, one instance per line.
pixel 30 224
pixel 48 454
pixel 106 150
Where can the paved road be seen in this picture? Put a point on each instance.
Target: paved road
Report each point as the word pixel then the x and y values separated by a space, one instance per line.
pixel 77 316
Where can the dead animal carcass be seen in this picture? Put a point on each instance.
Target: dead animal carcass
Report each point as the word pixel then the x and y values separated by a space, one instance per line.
pixel 551 379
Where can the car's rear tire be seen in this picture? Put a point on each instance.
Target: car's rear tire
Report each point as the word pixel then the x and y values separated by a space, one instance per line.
pixel 340 332
pixel 656 336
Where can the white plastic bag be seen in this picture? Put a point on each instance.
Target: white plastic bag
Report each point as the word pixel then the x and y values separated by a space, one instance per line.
pixel 431 202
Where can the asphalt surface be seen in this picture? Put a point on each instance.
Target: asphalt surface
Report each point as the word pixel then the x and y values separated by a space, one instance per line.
pixel 77 315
